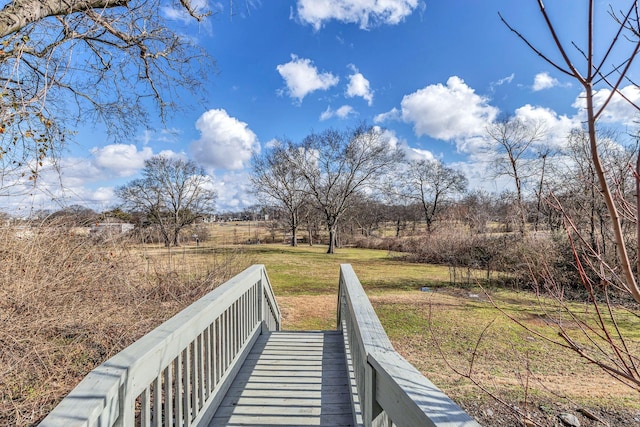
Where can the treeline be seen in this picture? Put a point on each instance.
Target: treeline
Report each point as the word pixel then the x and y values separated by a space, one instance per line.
pixel 357 187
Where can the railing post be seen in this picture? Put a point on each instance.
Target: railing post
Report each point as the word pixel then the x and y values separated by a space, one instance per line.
pixel 261 305
pixel 371 408
pixel 339 308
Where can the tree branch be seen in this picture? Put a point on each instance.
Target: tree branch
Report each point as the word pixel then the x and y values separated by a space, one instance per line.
pixel 20 13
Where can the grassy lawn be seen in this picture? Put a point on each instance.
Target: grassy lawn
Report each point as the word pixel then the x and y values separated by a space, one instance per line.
pixel 309 270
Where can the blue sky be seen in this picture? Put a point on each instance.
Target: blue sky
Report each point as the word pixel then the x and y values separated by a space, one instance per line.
pixel 433 73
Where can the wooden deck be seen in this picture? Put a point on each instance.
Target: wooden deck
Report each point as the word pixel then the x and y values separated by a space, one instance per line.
pixel 290 379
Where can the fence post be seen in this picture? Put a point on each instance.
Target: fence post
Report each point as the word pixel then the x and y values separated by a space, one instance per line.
pixel 371 408
pixel 261 304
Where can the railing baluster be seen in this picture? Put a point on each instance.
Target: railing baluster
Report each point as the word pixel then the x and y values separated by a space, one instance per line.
pixel 177 384
pixel 242 318
pixel 201 365
pixel 156 417
pixel 195 377
pixel 247 314
pixel 228 339
pixel 232 332
pixel 168 396
pixel 218 352
pixel 254 304
pixel 235 328
pixel 186 386
pixel 224 343
pixel 236 335
pixel 207 363
pixel 145 408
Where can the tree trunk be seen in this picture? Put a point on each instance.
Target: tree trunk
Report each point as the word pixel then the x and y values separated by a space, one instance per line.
pixel 294 229
pixel 539 195
pixel 332 240
pixel 522 219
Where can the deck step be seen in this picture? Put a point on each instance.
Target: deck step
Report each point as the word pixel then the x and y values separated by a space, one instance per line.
pixel 290 379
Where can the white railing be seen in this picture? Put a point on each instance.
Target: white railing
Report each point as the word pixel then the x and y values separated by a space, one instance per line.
pixel 391 392
pixel 177 375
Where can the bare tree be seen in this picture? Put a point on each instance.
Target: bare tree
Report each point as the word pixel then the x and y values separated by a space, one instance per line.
pixel 514 139
pixel 65 62
pixel 580 192
pixel 276 178
pixel 430 183
pixel 173 193
pixel 339 164
pixel 605 74
pixel 477 209
pixel 595 334
pixel 544 155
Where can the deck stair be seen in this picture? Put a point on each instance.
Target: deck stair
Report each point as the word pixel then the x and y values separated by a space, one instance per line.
pixel 224 361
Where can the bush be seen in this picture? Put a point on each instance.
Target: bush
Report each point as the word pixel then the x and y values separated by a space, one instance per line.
pixel 524 261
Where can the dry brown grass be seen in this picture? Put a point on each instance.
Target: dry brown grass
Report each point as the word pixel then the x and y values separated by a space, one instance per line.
pixel 67 303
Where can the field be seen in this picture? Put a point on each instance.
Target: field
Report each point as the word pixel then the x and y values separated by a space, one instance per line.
pixel 440 327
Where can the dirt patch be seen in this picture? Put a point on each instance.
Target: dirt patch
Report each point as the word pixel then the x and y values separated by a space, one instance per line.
pixel 308 312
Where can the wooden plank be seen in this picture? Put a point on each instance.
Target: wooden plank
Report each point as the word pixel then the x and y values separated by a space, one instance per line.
pixel 290 378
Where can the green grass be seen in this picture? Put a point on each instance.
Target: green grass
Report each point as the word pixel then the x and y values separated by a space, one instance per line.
pixel 309 270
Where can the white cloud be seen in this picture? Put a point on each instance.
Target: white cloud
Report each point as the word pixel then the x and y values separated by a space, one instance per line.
pixel 359 86
pixel 410 153
pixel 166 135
pixel 103 194
pixel 272 143
pixel 225 142
pixel 65 182
pixel 88 181
pixel 342 112
pixel 417 154
pixel 234 191
pixel 544 81
pixel 121 159
pixel 302 77
pixel 476 147
pixel 447 112
pixel 556 127
pixel 619 110
pixel 365 13
pixel 393 114
pixel 504 80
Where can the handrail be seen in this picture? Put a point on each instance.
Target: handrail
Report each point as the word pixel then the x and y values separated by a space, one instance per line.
pixel 390 390
pixel 177 374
